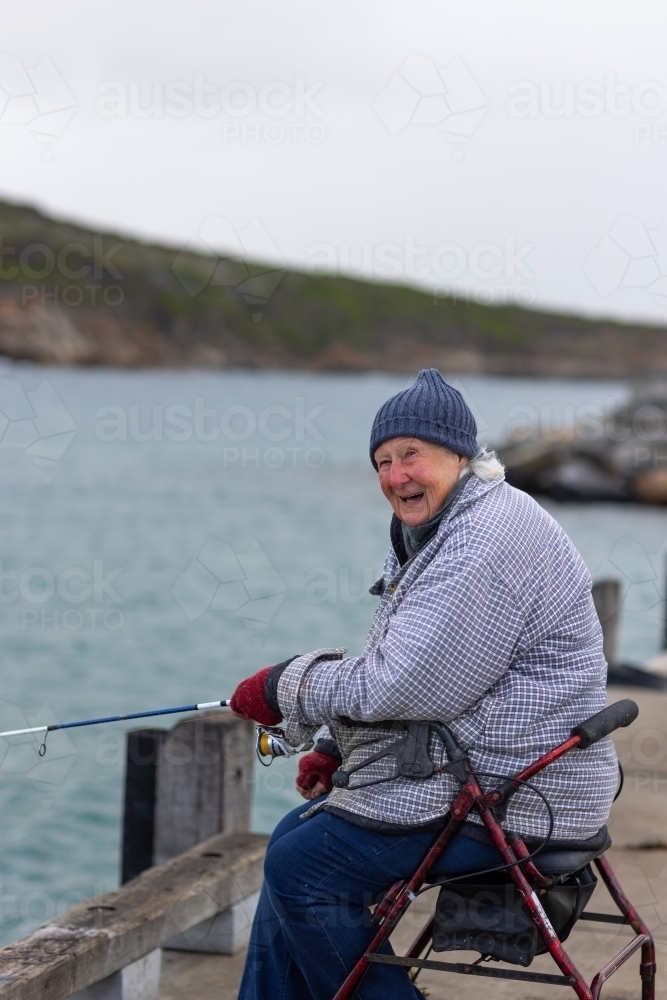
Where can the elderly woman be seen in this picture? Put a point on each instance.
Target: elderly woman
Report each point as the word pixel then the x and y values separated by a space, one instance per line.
pixel 486 623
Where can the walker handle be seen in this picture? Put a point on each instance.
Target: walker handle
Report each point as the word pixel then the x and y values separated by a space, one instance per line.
pixel 618 715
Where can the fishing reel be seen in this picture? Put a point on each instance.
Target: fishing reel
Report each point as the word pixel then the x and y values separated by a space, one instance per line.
pixel 271 742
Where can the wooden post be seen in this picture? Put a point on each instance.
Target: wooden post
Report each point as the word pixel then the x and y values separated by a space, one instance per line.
pixel 607 600
pixel 139 812
pixel 203 783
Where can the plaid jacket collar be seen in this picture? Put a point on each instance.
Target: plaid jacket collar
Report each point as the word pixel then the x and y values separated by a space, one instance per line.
pixel 474 491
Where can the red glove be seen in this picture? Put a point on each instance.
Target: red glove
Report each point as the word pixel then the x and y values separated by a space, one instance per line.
pixel 314 767
pixel 249 699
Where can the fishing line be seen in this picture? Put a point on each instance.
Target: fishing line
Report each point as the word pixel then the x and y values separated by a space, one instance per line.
pixel 71 739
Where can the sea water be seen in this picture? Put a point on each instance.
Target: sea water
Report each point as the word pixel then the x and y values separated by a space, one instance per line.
pixel 165 534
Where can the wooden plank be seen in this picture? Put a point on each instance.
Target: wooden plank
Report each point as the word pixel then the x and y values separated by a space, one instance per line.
pixel 104 934
pixel 204 783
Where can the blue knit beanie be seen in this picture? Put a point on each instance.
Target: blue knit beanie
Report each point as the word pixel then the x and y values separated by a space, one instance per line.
pixel 429 410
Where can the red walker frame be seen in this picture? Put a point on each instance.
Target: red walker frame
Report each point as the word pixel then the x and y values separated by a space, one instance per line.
pixel 514 852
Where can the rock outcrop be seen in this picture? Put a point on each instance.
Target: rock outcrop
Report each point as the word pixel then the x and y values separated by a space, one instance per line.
pixel 618 456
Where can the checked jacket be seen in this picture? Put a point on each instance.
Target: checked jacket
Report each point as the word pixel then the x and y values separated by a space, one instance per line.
pixel 490 628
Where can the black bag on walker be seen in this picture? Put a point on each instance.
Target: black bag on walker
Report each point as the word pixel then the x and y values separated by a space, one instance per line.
pixel 491 918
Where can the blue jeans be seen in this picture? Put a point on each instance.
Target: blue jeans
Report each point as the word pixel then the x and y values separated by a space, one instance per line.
pixel 313 919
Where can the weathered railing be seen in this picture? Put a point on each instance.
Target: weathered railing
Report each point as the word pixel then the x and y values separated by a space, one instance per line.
pixel 105 934
pixel 187 810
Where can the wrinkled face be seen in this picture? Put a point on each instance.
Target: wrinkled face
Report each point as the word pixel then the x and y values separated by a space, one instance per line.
pixel 417 477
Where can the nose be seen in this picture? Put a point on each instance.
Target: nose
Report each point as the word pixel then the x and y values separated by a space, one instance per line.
pixel 397 475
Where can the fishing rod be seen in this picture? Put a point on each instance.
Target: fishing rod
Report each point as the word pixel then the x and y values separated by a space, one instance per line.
pixel 112 718
pixel 270 743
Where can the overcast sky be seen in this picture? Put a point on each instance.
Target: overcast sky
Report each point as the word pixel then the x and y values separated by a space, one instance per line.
pixel 504 150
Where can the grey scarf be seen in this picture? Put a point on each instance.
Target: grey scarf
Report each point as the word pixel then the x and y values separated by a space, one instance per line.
pixel 415 538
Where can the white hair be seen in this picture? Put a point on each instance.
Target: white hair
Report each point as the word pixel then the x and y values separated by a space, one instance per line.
pixel 485 465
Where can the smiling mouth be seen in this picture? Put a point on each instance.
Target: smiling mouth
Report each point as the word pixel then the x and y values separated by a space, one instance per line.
pixel 412 498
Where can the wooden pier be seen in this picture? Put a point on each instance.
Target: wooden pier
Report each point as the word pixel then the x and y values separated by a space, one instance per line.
pixel 639 829
pixel 129 944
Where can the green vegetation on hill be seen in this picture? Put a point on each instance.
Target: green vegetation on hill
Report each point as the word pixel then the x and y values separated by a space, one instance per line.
pixel 120 301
